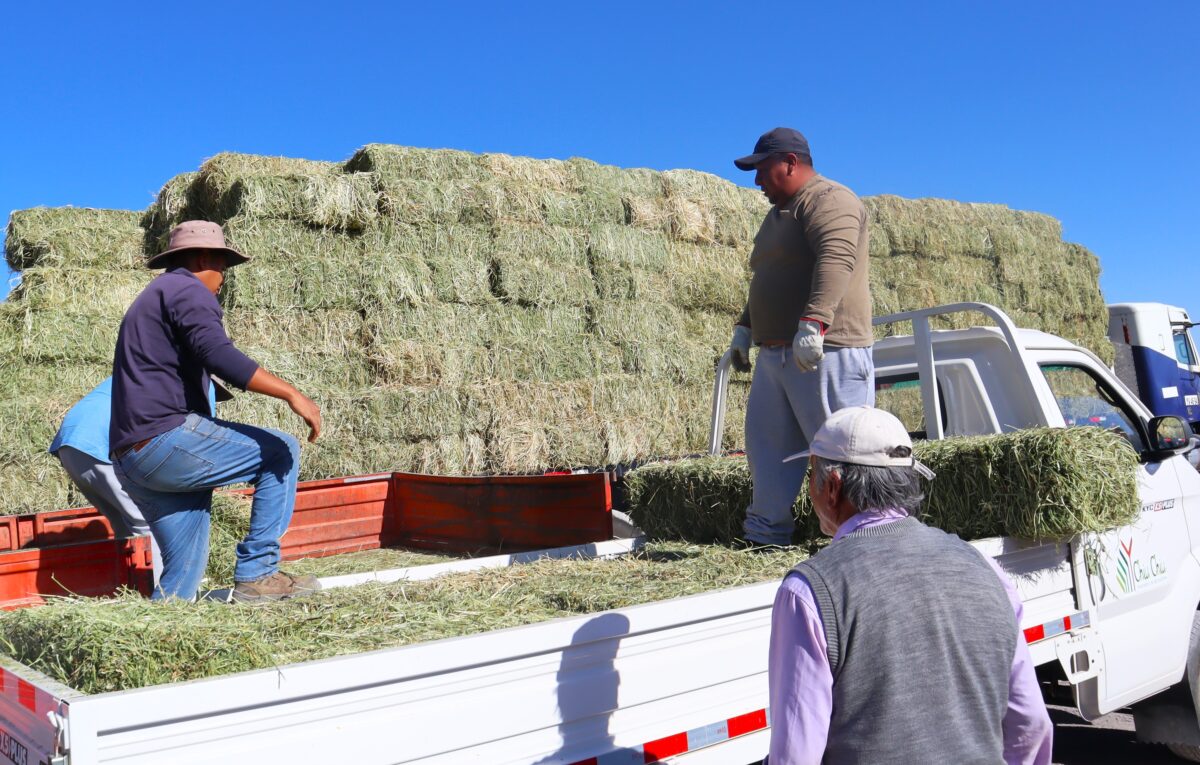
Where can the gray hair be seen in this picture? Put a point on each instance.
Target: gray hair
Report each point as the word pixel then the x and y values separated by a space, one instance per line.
pixel 867 487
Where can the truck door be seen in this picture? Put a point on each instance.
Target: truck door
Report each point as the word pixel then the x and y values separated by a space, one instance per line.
pixel 1189 374
pixel 1135 572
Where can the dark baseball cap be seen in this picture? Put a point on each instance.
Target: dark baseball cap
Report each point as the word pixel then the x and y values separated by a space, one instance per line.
pixel 781 140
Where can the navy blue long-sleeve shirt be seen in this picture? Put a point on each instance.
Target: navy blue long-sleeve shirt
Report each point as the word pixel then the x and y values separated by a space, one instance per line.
pixel 170 340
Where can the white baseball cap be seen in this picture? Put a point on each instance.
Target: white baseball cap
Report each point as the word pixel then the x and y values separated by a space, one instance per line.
pixel 864 435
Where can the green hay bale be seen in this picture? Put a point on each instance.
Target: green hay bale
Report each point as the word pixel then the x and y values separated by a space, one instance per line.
pixel 542 266
pixel 96 646
pixel 545 173
pixel 705 208
pixel 73 237
pixel 587 175
pixel 88 289
pixel 583 209
pixel 459 259
pixel 452 344
pixel 708 277
pixel 653 342
pixel 57 335
pixel 176 202
pixel 411 413
pixel 35 483
pixel 49 381
pixel 627 246
pixel 325 349
pixel 540 426
pixel 640 421
pixel 28 422
pixel 1044 483
pixel 424 203
pixel 317 193
pixel 428 345
pixel 294 267
pixel 388 162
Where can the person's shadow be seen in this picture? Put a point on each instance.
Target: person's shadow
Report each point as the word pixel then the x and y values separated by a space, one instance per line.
pixel 588 682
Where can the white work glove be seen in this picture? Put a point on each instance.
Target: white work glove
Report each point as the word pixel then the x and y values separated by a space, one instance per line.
pixel 739 347
pixel 808 345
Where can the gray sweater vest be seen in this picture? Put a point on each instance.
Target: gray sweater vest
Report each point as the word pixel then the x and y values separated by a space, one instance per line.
pixel 921 641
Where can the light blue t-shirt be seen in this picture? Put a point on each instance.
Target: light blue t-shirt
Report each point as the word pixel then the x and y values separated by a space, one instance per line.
pixel 86 425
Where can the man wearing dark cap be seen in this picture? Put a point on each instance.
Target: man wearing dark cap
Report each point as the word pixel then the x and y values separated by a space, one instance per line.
pixel 167 448
pixel 809 312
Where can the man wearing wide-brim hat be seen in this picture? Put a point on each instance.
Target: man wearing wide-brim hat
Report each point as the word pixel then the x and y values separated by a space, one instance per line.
pixel 897 642
pixel 167 447
pixel 808 310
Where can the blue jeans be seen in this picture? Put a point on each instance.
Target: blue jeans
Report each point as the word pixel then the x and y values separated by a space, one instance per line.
pixel 785 410
pixel 172 479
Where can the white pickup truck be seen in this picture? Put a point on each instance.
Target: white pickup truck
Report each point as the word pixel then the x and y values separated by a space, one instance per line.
pixel 1109 619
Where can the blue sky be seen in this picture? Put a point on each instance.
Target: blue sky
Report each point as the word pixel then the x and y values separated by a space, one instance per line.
pixel 1087 111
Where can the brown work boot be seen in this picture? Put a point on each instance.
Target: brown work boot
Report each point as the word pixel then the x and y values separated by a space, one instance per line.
pixel 275 586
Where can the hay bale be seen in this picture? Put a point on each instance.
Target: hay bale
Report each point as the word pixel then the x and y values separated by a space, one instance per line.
pixel 100 290
pixel 704 208
pixel 49 381
pixel 316 193
pixel 319 349
pixel 35 482
pixel 1041 483
pixel 73 237
pixel 541 266
pixel 388 162
pixel 586 175
pixel 711 277
pixel 126 642
pixel 453 344
pixel 294 267
pixel 67 335
pixel 175 202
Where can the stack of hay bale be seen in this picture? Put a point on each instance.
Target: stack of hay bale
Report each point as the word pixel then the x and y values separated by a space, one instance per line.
pixel 80 269
pixel 463 313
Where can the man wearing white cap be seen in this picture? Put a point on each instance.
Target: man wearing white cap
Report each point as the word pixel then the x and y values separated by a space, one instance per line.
pixel 897 643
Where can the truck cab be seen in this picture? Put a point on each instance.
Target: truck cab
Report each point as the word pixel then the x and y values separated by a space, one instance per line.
pixel 1108 615
pixel 1156 357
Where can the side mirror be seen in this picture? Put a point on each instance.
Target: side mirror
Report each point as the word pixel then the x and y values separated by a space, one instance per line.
pixel 1170 435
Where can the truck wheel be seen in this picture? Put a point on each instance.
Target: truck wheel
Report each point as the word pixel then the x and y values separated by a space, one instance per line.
pixel 1185 752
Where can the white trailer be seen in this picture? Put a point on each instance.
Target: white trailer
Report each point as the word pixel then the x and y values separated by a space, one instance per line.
pixel 1109 618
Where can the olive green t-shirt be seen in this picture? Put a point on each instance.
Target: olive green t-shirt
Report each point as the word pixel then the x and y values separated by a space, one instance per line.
pixel 810 260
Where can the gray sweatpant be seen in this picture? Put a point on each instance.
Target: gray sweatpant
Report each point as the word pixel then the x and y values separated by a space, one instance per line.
pixel 785 410
pixel 99 484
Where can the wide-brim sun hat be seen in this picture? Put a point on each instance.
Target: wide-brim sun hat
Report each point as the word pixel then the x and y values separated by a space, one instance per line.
pixel 196 235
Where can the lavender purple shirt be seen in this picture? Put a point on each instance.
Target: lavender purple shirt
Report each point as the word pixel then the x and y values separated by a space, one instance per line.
pixel 170 340
pixel 802 681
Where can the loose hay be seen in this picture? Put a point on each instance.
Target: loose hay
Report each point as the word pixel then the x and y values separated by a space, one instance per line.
pixel 126 642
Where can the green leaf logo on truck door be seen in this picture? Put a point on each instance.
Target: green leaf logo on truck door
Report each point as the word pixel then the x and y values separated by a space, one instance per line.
pixel 1125 578
pixel 1133 572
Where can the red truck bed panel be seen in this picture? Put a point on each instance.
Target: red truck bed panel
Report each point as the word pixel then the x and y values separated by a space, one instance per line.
pixel 72 551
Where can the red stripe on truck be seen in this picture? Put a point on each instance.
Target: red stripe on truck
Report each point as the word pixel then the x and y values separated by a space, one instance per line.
pixel 747 723
pixel 670 746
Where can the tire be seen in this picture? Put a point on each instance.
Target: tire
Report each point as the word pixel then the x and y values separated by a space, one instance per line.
pixel 1185 752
